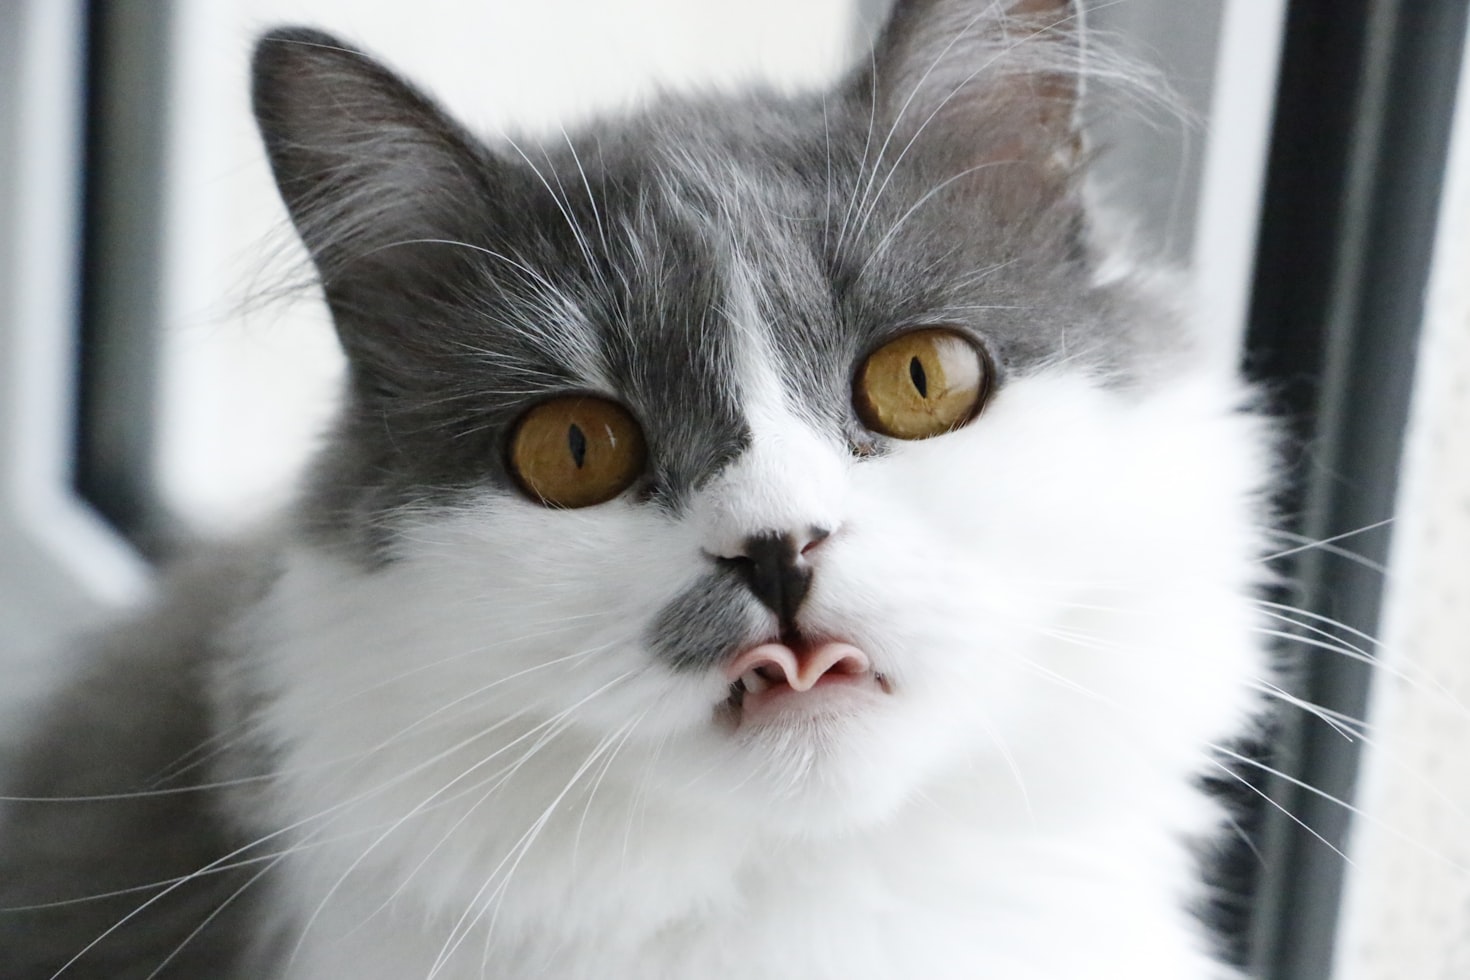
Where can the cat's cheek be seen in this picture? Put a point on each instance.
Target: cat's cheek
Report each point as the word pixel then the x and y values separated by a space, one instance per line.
pixel 661 703
pixel 930 596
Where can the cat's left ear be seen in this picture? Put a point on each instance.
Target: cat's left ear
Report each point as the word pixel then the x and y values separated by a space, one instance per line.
pixel 990 87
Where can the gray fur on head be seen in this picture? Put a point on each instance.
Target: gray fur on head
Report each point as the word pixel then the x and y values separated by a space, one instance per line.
pixel 937 183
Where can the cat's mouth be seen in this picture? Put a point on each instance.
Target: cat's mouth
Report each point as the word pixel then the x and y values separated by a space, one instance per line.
pixel 796 677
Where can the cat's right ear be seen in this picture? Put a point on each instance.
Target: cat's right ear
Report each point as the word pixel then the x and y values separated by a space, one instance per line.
pixel 983 87
pixel 366 164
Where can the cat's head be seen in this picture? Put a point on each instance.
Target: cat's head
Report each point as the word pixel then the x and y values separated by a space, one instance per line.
pixel 650 426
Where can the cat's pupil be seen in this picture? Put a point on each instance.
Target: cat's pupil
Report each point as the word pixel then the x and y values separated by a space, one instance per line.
pixel 577 443
pixel 916 375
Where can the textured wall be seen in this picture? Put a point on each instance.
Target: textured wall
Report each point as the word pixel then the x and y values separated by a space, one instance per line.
pixel 1408 910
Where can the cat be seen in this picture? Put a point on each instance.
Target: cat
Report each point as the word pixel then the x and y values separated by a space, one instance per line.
pixel 764 536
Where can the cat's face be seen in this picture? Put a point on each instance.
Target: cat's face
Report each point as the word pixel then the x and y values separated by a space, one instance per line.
pixel 652 427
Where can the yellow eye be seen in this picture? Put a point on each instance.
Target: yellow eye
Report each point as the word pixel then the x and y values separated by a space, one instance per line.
pixel 921 384
pixel 576 451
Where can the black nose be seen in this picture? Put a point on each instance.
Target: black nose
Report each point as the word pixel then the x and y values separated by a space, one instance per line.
pixel 776 569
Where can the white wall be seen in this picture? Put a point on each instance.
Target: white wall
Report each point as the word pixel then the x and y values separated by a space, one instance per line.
pixel 1407 915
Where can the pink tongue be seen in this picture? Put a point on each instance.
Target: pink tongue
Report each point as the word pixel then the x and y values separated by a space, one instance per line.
pixel 801 668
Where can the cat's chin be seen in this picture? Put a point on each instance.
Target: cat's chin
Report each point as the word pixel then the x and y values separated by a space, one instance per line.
pixel 812 758
pixel 821 776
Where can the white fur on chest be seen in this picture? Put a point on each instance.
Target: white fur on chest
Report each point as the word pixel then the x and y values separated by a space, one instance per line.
pixel 927 897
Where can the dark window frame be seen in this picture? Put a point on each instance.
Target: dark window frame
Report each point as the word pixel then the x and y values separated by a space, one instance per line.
pixel 126 115
pixel 1365 104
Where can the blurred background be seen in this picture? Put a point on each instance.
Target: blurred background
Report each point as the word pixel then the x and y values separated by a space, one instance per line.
pixel 1308 166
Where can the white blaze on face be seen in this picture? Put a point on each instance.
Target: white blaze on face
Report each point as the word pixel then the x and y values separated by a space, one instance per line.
pixel 791 478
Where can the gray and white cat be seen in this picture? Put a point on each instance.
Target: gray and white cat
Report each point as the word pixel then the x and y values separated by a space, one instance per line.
pixel 764 537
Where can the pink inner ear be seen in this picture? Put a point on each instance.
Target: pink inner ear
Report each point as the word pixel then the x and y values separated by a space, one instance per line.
pixel 1001 83
pixel 801 667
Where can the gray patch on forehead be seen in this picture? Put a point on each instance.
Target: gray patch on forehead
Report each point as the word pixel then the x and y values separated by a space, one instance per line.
pixel 612 270
pixel 673 348
pixel 841 253
pixel 1024 289
pixel 706 624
